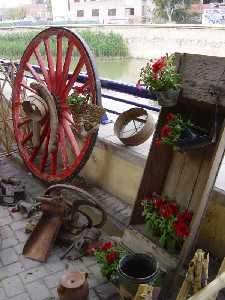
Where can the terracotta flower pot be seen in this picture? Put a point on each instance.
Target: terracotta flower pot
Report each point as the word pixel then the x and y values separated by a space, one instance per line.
pixel 168 98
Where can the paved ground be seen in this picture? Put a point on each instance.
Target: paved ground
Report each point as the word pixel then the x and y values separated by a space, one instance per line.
pixel 23 279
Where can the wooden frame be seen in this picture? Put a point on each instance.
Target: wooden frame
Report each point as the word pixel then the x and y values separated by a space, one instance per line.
pixel 187 177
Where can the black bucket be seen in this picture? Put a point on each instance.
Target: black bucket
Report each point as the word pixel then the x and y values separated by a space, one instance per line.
pixel 133 270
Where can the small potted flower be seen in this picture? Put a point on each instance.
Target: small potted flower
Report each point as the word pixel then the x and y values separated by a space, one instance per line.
pixel 167 222
pixel 161 76
pixel 108 256
pixel 181 133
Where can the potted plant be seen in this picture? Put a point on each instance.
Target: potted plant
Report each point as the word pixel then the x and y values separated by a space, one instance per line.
pixel 161 76
pixel 168 221
pixel 108 256
pixel 86 115
pixel 181 133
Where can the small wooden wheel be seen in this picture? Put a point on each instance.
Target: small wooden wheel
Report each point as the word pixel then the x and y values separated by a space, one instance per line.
pixel 134 126
pixel 57 52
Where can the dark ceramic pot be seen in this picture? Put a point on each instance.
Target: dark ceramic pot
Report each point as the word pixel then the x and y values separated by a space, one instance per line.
pixel 133 270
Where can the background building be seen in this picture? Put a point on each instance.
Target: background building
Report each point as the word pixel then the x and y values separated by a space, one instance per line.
pixel 103 11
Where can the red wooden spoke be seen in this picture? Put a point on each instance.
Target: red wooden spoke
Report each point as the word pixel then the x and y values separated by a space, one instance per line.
pixel 26 138
pixel 42 66
pixel 34 73
pixel 45 152
pixel 73 78
pixel 27 120
pixel 50 63
pixel 66 66
pixel 62 147
pixel 53 165
pixel 36 149
pixel 59 61
pixel 28 88
pixel 69 133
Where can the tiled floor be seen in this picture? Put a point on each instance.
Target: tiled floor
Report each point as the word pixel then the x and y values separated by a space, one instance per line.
pixel 22 278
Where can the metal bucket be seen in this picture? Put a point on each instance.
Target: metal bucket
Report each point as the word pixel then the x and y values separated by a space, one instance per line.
pixel 133 270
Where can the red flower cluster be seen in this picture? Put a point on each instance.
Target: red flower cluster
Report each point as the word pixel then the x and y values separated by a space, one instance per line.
pixel 159 65
pixel 106 246
pixel 112 256
pixel 181 228
pixel 169 210
pixel 166 131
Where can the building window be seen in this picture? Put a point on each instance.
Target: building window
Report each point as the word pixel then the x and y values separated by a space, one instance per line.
pixel 80 13
pixel 112 12
pixel 95 12
pixel 76 0
pixel 129 11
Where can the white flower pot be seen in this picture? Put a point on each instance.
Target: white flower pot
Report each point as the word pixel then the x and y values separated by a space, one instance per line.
pixel 168 98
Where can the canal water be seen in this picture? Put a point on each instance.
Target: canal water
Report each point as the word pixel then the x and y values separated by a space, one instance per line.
pixel 122 69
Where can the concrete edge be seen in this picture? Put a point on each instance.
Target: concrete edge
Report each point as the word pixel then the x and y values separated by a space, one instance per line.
pixel 124 152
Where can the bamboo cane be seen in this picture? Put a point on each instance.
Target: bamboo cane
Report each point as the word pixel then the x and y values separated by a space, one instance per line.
pixel 211 289
pixel 186 285
pixel 145 292
pixel 221 270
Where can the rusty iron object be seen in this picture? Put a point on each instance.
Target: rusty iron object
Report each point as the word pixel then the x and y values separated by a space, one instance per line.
pixel 62 210
pixel 12 191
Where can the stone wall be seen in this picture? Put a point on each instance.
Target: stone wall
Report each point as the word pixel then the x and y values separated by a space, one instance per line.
pixel 146 41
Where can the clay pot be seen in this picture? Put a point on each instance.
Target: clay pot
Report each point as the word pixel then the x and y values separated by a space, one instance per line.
pixel 73 286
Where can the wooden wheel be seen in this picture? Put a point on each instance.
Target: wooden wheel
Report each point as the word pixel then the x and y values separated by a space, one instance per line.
pixel 57 52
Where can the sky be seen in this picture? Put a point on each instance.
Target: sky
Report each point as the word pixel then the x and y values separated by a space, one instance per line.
pixel 13 3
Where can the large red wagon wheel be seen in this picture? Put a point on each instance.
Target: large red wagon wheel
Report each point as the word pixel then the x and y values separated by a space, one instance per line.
pixel 61 56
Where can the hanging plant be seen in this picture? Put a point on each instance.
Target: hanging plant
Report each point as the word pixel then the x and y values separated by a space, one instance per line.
pixel 86 116
pixel 180 133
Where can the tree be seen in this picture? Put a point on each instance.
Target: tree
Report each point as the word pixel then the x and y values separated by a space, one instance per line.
pixel 165 8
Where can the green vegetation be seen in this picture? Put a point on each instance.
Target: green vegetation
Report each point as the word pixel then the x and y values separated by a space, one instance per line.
pixel 12 45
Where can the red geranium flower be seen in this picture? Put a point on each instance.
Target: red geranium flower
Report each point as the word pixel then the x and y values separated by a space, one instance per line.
pixel 181 229
pixel 157 142
pixel 106 246
pixel 186 216
pixel 166 211
pixel 165 131
pixel 112 256
pixel 174 207
pixel 158 65
pixel 170 117
pixel 158 203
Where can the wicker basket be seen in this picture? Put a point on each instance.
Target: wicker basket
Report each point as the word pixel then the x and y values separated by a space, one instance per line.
pixel 134 114
pixel 87 117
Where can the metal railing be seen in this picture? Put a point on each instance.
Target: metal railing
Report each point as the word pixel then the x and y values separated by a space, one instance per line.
pixel 124 89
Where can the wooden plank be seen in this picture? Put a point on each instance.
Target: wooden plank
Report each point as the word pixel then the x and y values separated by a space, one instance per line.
pixel 155 172
pixel 198 73
pixel 182 176
pixel 174 174
pixel 204 193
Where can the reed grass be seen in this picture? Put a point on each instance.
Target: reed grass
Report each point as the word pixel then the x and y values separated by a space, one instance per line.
pixel 12 45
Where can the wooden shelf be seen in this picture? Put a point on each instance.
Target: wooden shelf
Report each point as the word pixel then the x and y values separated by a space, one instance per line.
pixel 136 238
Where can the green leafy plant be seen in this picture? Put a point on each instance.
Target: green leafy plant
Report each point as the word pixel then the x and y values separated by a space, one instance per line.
pixel 77 98
pixel 173 130
pixel 160 75
pixel 108 256
pixel 166 220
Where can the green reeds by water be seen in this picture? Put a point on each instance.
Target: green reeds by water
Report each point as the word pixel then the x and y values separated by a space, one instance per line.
pixel 12 45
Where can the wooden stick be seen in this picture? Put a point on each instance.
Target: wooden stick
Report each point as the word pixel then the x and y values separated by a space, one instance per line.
pixel 186 285
pixel 211 289
pixel 221 270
